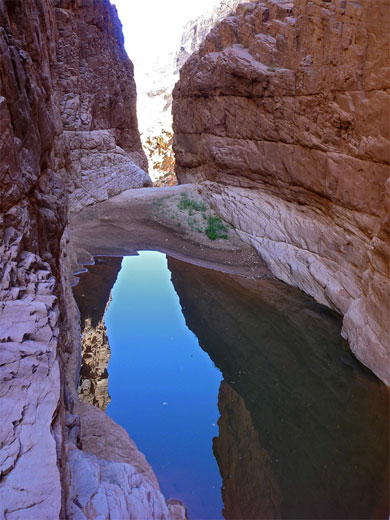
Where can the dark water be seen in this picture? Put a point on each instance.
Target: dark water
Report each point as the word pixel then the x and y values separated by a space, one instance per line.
pixel 270 417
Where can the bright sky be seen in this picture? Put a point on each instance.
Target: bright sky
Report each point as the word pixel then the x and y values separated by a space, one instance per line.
pixel 153 27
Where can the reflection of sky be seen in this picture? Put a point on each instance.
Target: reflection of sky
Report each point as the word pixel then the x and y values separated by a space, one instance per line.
pixel 163 387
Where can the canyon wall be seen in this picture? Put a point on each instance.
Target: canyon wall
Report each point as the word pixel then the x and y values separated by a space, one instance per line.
pixel 156 81
pixel 96 93
pixel 68 138
pixel 283 118
pixel 196 31
pixel 33 210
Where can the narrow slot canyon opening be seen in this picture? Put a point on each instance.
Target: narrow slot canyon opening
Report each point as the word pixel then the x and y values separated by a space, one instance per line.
pixel 241 393
pixel 158 49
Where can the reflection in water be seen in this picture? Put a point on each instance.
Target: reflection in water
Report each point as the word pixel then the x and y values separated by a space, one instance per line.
pixel 303 427
pixel 319 414
pixel 163 387
pixel 92 294
pixel 249 488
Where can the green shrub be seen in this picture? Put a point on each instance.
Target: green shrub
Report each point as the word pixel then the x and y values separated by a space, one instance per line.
pixel 191 204
pixel 216 228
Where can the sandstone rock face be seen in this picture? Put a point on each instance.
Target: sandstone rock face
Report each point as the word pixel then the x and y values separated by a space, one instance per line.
pixel 195 31
pixel 33 216
pixel 284 113
pixel 67 109
pixel 106 489
pixel 155 82
pixel 96 93
pixel 109 477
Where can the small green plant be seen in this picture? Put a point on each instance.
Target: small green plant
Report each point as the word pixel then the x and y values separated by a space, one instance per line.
pixel 191 204
pixel 157 204
pixel 194 224
pixel 216 228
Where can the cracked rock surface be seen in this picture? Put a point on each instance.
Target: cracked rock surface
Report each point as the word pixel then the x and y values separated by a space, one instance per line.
pixel 68 137
pixel 283 117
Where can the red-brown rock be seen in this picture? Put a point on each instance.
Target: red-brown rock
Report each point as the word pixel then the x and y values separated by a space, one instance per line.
pixel 284 111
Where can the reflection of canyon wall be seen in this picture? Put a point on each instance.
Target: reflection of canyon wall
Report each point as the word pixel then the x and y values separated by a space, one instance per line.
pixel 95 356
pixel 92 294
pixel 284 111
pixel 249 489
pixel 320 415
pixel 100 437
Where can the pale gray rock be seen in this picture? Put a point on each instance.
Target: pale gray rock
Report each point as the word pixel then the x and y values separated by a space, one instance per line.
pixel 101 436
pixel 104 490
pixel 304 247
pixel 97 168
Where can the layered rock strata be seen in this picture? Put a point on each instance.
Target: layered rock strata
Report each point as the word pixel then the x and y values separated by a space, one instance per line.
pixel 33 216
pixel 196 31
pixel 283 114
pixel 96 93
pixel 156 80
pixel 67 108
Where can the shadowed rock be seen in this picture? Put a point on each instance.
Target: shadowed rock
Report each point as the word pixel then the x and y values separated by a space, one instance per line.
pixel 249 488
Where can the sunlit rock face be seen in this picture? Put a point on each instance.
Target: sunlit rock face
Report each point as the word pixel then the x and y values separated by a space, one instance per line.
pixel 321 419
pixel 195 31
pixel 284 112
pixel 155 84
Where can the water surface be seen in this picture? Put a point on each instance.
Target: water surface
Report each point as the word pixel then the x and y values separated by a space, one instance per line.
pixel 163 387
pixel 289 425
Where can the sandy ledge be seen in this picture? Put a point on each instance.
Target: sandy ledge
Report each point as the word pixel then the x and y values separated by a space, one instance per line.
pixel 131 222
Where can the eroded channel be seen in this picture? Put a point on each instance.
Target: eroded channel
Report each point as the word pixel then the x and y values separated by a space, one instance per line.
pixel 241 393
